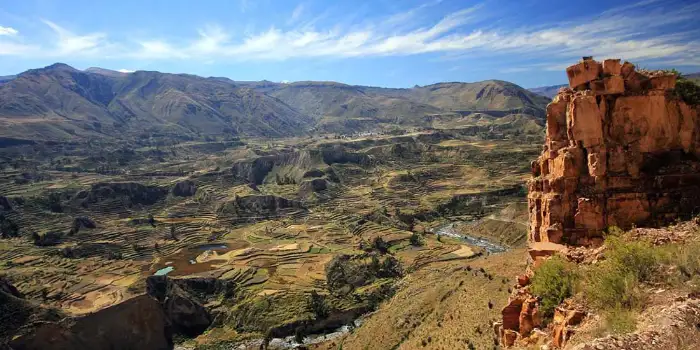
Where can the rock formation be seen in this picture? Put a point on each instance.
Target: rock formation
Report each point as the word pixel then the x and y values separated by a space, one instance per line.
pixel 185 188
pixel 622 149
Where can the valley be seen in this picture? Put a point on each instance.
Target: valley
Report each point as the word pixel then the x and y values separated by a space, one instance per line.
pixel 252 227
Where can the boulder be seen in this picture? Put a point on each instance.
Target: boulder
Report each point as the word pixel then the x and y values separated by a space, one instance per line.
pixel 185 188
pixel 583 72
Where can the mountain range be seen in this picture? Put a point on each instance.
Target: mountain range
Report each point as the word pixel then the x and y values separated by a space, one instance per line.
pixel 61 103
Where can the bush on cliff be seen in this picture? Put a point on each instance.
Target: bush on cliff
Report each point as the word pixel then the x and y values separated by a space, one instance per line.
pixel 553 282
pixel 615 283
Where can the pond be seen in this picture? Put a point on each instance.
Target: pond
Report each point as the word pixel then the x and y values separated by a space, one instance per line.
pixel 164 271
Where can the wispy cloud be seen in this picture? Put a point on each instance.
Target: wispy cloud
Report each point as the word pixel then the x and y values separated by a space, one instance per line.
pixel 8 31
pixel 297 13
pixel 72 44
pixel 125 70
pixel 648 30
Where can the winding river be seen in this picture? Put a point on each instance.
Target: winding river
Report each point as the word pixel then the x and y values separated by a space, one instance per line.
pixel 450 231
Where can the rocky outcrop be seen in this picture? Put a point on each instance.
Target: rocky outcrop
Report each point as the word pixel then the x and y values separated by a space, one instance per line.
pixel 256 206
pixel 184 311
pixel 185 188
pixel 621 150
pixel 19 316
pixel 131 192
pixel 309 187
pixel 81 222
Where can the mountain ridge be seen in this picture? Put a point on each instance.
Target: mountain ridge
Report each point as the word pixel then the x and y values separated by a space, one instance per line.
pixel 59 102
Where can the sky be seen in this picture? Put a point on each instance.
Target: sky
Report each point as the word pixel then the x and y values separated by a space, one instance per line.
pixel 390 43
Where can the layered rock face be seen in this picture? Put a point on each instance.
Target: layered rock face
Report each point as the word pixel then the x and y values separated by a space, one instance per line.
pixel 621 150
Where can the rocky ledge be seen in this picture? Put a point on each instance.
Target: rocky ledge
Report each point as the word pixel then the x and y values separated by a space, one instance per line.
pixel 622 149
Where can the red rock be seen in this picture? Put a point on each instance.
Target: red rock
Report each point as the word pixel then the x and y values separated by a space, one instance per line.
pixel 529 316
pixel 523 280
pixel 583 72
pixel 585 121
pixel 614 85
pixel 544 249
pixel 510 337
pixel 663 82
pixel 627 69
pixel 612 67
pixel 589 214
pixel 621 151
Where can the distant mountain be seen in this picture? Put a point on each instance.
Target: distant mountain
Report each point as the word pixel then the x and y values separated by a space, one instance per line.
pixel 6 78
pixel 107 72
pixel 548 91
pixel 693 76
pixel 59 102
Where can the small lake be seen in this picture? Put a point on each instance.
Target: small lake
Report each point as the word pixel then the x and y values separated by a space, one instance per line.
pixel 164 271
pixel 450 231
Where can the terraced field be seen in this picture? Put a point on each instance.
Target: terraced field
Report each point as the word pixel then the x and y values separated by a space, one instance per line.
pixel 269 217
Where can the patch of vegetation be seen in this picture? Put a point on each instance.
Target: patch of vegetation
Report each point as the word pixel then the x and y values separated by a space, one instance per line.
pixel 554 281
pixel 318 305
pixel 615 283
pixel 417 240
pixel 688 91
pixel 8 228
pixel 345 273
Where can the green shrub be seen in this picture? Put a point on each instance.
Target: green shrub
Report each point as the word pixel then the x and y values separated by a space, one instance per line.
pixel 639 258
pixel 553 282
pixel 620 321
pixel 688 91
pixel 417 239
pixel 686 257
pixel 609 286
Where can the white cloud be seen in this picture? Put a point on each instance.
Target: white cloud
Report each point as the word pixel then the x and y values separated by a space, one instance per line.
pixel 8 31
pixel 125 70
pixel 72 44
pixel 645 31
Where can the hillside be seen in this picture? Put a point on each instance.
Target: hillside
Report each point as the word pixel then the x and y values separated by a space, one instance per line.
pixel 60 103
pixel 547 91
pixel 694 77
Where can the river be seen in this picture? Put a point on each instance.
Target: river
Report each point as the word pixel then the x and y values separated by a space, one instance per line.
pixel 450 231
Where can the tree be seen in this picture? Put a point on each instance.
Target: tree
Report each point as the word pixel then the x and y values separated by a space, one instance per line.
pixel 8 228
pixel 151 220
pixel 172 233
pixel 318 305
pixel 417 239
pixel 380 245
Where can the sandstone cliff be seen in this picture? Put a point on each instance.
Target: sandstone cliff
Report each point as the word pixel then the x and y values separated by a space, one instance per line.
pixel 621 150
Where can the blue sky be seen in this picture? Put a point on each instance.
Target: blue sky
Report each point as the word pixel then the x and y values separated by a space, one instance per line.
pixel 393 43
